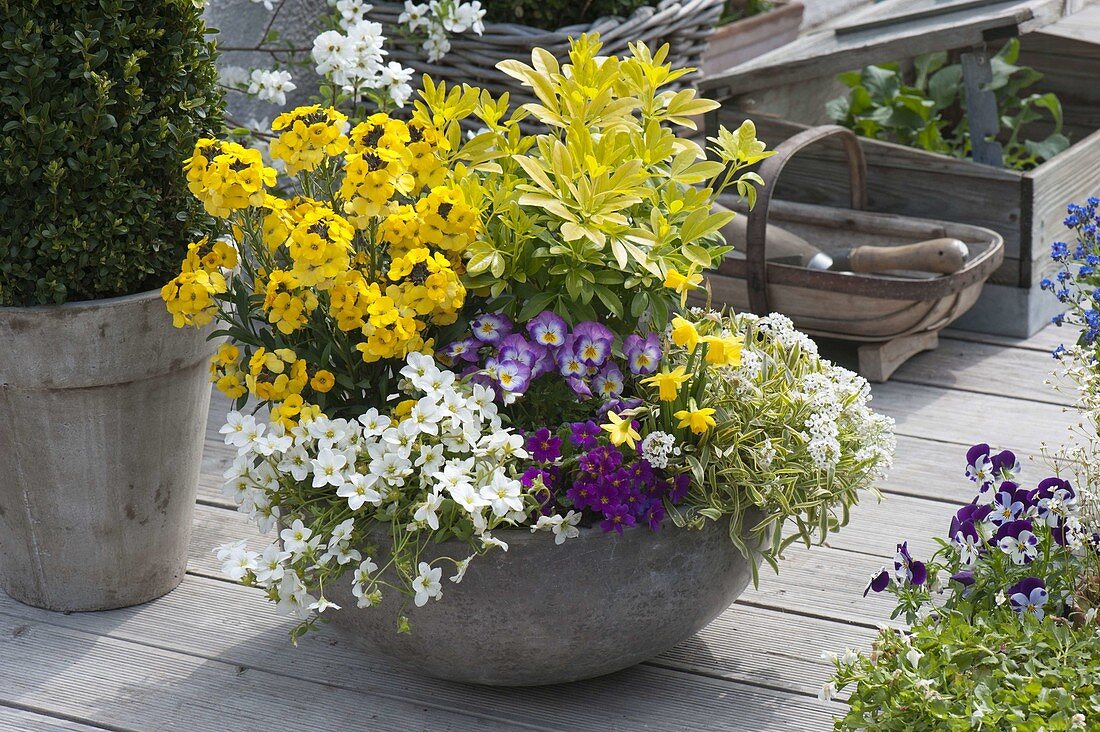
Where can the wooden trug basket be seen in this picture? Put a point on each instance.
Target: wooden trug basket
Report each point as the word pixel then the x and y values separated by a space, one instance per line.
pixel 894 316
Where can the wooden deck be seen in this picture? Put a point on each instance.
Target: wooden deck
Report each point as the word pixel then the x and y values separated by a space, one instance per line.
pixel 213 656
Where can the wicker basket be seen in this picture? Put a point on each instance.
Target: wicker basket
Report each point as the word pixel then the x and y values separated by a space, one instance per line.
pixel 685 25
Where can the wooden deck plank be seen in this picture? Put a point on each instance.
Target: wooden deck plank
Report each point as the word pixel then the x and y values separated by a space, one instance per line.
pixel 234 662
pixel 965 418
pixel 1046 340
pixel 25 720
pixel 987 369
pixel 132 686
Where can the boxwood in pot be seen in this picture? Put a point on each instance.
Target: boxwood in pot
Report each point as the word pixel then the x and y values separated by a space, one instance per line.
pixel 103 402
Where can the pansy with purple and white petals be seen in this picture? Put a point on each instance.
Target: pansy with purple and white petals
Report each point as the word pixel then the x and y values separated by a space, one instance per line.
pixel 1018 541
pixel 642 354
pixel 979 468
pixel 906 569
pixel 1028 597
pixel 608 383
pixel 968 542
pixel 880 580
pixel 548 329
pixel 1009 503
pixel 1055 501
pixel 491 327
pixel 1005 466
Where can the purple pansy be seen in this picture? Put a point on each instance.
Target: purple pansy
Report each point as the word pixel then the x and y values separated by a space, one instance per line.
pixel 642 354
pixel 907 569
pixel 1028 596
pixel 580 387
pixel 608 384
pixel 592 343
pixel 544 445
pixel 1055 501
pixel 968 542
pixel 964 578
pixel 1017 540
pixel 548 329
pixel 491 327
pixel 979 468
pixel 465 349
pixel 972 513
pixel 880 580
pixel 513 376
pixel 584 434
pixel 570 365
pixel 1005 465
pixel 1009 503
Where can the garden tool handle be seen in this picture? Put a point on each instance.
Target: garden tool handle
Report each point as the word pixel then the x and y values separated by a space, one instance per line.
pixel 770 168
pixel 945 256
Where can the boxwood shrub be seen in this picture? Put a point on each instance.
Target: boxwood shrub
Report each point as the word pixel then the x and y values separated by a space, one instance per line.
pixel 100 103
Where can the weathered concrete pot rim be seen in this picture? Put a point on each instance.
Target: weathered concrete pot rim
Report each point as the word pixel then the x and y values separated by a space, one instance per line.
pixel 76 305
pixel 92 343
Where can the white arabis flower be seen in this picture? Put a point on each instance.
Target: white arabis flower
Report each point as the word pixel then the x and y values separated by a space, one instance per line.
pixel 240 430
pixel 426 511
pixel 328 468
pixel 359 490
pixel 271 86
pixel 296 537
pixel 828 690
pixel 460 569
pixel 374 424
pixel 426 585
pixel 504 494
pixel 236 560
pixel 323 604
pixel 914 656
pixel 269 566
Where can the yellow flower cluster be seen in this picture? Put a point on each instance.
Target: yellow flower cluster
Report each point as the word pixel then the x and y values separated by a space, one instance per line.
pixel 189 296
pixel 280 377
pixel 311 135
pixel 226 176
pixel 287 304
pixel 722 350
pixel 225 371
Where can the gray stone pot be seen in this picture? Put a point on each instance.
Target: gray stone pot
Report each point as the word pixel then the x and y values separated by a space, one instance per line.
pixel 541 613
pixel 103 409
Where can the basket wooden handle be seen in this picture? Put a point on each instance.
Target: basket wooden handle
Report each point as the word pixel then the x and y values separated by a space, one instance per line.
pixel 770 168
pixel 945 256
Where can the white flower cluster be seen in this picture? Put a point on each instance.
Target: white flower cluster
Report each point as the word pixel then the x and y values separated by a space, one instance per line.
pixel 353 59
pixel 450 445
pixel 270 86
pixel 437 18
pixel 657 447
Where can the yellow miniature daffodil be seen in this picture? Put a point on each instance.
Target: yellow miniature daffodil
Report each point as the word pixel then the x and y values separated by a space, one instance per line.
pixel 668 382
pixel 620 430
pixel 684 334
pixel 697 420
pixel 724 350
pixel 682 283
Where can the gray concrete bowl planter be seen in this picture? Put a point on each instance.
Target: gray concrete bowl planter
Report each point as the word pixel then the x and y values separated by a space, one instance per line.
pixel 543 613
pixel 742 40
pixel 103 408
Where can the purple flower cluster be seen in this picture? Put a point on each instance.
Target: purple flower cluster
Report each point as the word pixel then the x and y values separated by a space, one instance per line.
pixel 617 490
pixel 583 356
pixel 998 539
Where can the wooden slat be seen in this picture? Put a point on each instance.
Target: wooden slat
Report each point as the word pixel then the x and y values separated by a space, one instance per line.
pixel 126 685
pixel 24 720
pixel 1045 341
pixel 984 368
pixel 237 662
pixel 965 417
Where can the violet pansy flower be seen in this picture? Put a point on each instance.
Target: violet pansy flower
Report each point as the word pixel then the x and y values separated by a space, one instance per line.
pixel 1009 503
pixel 979 468
pixel 608 384
pixel 1055 501
pixel 907 569
pixel 548 329
pixel 1016 539
pixel 880 580
pixel 491 327
pixel 642 355
pixel 1028 597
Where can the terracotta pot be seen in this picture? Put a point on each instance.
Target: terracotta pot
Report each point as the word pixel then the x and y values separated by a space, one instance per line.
pixel 743 40
pixel 103 405
pixel 543 613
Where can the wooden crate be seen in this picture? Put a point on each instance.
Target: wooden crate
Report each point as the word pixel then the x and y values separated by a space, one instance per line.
pixel 783 94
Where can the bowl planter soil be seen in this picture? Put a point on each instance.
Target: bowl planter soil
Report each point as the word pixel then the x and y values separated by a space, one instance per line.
pixel 742 40
pixel 543 613
pixel 103 405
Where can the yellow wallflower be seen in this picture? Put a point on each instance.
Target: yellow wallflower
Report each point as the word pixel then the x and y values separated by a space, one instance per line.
pixel 227 176
pixel 320 246
pixel 370 181
pixel 684 334
pixel 311 134
pixel 425 166
pixel 620 430
pixel 380 132
pixel 446 220
pixel 697 420
pixel 323 381
pixel 668 383
pixel 189 297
